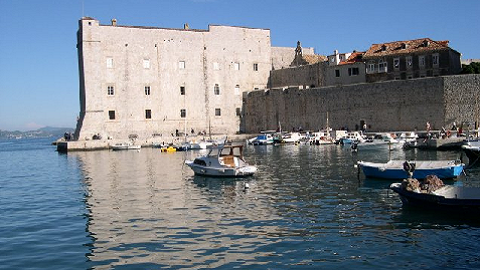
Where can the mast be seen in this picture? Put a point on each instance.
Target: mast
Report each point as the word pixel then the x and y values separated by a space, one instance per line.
pixel 328 128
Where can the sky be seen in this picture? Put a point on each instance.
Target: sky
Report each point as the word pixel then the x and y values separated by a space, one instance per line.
pixel 39 80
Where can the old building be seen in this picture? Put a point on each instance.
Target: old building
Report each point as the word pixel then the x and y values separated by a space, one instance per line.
pixel 345 68
pixel 410 59
pixel 147 82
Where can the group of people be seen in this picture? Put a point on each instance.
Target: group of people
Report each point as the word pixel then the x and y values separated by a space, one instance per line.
pixel 446 133
pixel 192 131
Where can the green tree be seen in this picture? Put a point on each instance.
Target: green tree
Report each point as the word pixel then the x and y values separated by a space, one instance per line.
pixel 473 68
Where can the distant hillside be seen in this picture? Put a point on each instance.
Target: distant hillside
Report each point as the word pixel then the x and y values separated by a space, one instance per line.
pixel 45 132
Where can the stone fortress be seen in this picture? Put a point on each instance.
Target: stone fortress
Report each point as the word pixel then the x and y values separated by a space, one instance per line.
pixel 147 82
pixel 150 83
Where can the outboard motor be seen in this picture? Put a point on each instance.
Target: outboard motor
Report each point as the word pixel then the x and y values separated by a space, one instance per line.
pixel 354 146
pixel 409 167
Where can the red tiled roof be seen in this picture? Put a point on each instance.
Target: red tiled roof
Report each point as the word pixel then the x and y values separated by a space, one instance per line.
pixel 405 47
pixel 353 58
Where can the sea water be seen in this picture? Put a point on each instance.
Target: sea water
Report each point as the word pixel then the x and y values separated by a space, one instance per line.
pixel 306 208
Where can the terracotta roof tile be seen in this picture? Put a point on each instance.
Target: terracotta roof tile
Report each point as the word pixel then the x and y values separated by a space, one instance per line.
pixel 405 47
pixel 353 58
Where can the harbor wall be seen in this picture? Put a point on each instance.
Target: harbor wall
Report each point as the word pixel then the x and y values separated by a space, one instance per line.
pixel 383 106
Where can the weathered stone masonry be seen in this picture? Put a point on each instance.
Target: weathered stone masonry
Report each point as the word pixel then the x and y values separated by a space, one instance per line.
pixel 384 106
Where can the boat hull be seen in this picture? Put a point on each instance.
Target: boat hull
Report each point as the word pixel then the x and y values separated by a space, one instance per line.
pixel 125 147
pixel 447 172
pixel 473 155
pixel 438 202
pixel 221 172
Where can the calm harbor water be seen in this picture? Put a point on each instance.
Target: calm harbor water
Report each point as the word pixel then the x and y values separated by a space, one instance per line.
pixel 304 209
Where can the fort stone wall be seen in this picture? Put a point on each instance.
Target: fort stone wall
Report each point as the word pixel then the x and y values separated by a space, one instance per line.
pixel 148 81
pixel 383 106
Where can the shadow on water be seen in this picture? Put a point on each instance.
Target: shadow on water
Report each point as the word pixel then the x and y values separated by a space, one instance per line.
pixel 217 183
pixel 418 218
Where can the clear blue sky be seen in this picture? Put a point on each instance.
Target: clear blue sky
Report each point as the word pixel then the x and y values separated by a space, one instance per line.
pixel 38 57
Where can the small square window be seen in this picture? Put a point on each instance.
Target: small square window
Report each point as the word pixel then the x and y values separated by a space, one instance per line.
pixel 182 90
pixel 421 61
pixel 337 73
pixel 109 62
pixel 147 90
pixel 148 114
pixel 255 67
pixel 396 63
pixel 216 89
pixel 183 113
pixel 218 112
pixel 110 90
pixel 111 115
pixel 371 68
pixel 435 61
pixel 181 65
pixel 146 63
pixel 409 61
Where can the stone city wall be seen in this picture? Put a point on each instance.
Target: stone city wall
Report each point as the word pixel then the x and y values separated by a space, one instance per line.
pixel 304 76
pixel 384 106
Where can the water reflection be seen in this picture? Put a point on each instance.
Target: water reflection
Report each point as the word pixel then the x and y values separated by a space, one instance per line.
pixel 145 207
pixel 304 207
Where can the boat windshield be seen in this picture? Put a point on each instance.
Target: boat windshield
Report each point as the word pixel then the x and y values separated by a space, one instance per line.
pixel 226 151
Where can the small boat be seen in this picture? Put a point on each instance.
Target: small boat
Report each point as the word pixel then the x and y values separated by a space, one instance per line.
pixel 168 149
pixel 292 137
pixel 125 146
pixel 472 151
pixel 223 161
pixel 380 141
pixel 395 169
pixel 351 137
pixel 320 138
pixel 446 198
pixel 262 139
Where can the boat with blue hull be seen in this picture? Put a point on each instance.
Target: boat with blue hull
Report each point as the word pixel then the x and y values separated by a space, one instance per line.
pixel 395 169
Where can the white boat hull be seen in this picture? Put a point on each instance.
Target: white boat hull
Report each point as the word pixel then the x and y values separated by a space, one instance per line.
pixel 221 171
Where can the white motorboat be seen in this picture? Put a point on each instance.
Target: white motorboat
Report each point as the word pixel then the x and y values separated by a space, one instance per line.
pixel 262 139
pixel 292 137
pixel 223 161
pixel 125 146
pixel 380 141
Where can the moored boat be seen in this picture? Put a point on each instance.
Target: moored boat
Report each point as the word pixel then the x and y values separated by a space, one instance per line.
pixel 446 198
pixel 472 151
pixel 381 141
pixel 395 169
pixel 125 146
pixel 223 161
pixel 262 139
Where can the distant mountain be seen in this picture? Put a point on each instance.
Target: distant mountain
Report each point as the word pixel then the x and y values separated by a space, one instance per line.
pixel 45 132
